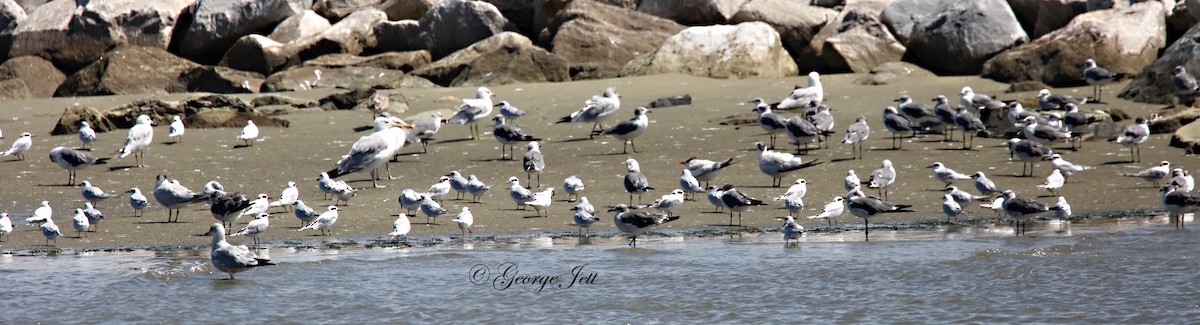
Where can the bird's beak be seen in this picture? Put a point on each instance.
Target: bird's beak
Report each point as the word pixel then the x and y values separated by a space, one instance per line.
pixel 497 105
pixel 896 100
pixel 404 126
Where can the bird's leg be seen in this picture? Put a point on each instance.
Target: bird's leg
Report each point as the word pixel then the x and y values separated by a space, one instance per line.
pixel 539 180
pixel 867 228
pixel 631 144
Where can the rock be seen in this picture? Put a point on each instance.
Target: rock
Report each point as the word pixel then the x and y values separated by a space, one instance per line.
pixel 406 9
pixel 891 72
pixel 257 53
pixel 351 99
pixel 739 51
pixel 1054 14
pixel 856 41
pixel 73 34
pixel 969 31
pixel 1153 83
pixel 1173 119
pixel 404 35
pixel 501 59
pixel 37 75
pixel 545 10
pixel 217 24
pixel 11 14
pixel 403 61
pixel 1187 137
pixel 1193 7
pixel 1120 40
pixel 221 80
pixel 14 89
pixel 1026 86
pixel 683 100
pixel 519 12
pixel 128 70
pixel 301 26
pixel 796 23
pixel 411 81
pixel 68 123
pixel 452 25
pixel 338 9
pixel 278 100
pixel 833 4
pixel 692 12
pixel 305 77
pixel 1179 21
pixel 349 35
pixel 902 16
pixel 597 40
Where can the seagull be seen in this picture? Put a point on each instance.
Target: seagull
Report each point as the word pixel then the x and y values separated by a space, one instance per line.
pixel 439 189
pixel 509 112
pixel 176 131
pixel 945 174
pixel 288 196
pixel 50 230
pixel 324 222
pixel 80 223
pixel 635 223
pixel 635 181
pixel 969 124
pixel 518 193
pixel 882 178
pixel 473 109
pixel 139 139
pixel 572 186
pixel 94 194
pixel 950 207
pixel 423 129
pixel 851 180
pixel 962 197
pixel 326 184
pixel 669 202
pixel 533 162
pixel 1185 84
pixel 255 228
pixel 86 135
pixel 1064 209
pixel 737 201
pixel 20 146
pixel 6 226
pixel 541 201
pixel 1017 114
pixel 629 129
pixel 137 201
pixel 410 200
pixel 1021 210
pixel 458 183
pixel 583 219
pixel 1182 179
pixel 714 197
pixel 1153 174
pixel 1076 123
pixel 249 133
pixel 431 209
pixel 944 114
pixel 1066 167
pixel 465 219
pixel 174 197
pixel 866 207
pixel 779 164
pixel 596 110
pixel 805 97
pixel 689 184
pixel 507 135
pixel 1098 77
pixel 1048 101
pixel 896 123
pixel 260 205
pixel 1028 152
pixel 400 227
pixel 1177 203
pixel 1133 136
pixel 586 206
pixel 344 193
pixel 968 98
pixel 705 170
pixel 769 121
pixel 793 199
pixel 73 160
pixel 856 133
pixel 801 131
pixel 823 121
pixel 996 205
pixel 1053 182
pixel 476 187
pixel 985 185
pixel 831 210
pixel 1041 133
pixel 371 152
pixel 916 112
pixel 791 230
pixel 227 207
pixel 306 214
pixel 229 258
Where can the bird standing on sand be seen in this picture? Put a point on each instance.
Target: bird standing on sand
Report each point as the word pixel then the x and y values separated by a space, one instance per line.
pixel 533 162
pixel 572 186
pixel 866 207
pixel 324 222
pixel 737 201
pixel 472 110
pixel 688 183
pixel 1053 182
pixel 305 214
pixel 518 193
pixel 507 135
pixel 50 230
pixel 946 175
pixel 1098 77
pixel 1021 210
pixel 1153 174
pixel 255 228
pixel 769 121
pixel 510 112
pixel 779 164
pixel 596 110
pixel 94 194
pixel 629 129
pixel 1028 152
pixel 805 97
pixel 86 135
pixel 856 133
pixel 896 123
pixel 174 197
pixel 176 130
pixel 705 170
pixel 137 201
pixel 1049 101
pixel 249 133
pixel 73 160
pixel 401 227
pixel 476 187
pixel 139 139
pixel 635 181
pixel 1133 136
pixel 1185 85
pixel 793 199
pixel 985 185
pixel 882 178
pixel 832 210
pixel 20 146
pixel 370 152
pixel 80 223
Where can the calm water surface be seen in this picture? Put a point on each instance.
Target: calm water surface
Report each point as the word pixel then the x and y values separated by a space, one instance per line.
pixel 1129 271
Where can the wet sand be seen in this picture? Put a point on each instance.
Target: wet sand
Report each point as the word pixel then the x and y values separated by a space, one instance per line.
pixel 316 140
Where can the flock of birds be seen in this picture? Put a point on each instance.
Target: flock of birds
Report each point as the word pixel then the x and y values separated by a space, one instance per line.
pixel 371 153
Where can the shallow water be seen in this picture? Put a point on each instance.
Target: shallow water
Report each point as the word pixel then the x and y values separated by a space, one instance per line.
pixel 1134 270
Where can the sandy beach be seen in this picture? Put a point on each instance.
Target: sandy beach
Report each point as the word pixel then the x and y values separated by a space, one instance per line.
pixel 316 140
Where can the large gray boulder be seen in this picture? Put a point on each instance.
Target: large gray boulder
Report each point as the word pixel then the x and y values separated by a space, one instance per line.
pixel 257 53
pixel 350 35
pixel 128 70
pixel 452 25
pixel 73 34
pixel 406 9
pixel 964 34
pixel 403 35
pixel 692 12
pixel 744 50
pixel 501 59
pixel 520 12
pixel 221 80
pixel 1154 83
pixel 1121 40
pixel 310 77
pixel 902 16
pixel 301 26
pixel 403 61
pixel 217 24
pixel 1054 14
pixel 796 22
pixel 11 14
pixel 38 75
pixel 855 40
pixel 338 9
pixel 598 39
